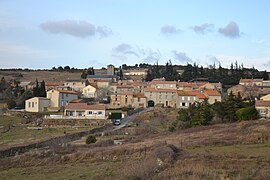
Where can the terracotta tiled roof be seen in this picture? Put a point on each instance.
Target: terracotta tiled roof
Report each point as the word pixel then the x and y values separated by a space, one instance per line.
pixel 139 95
pixel 262 103
pixel 68 92
pixel 160 90
pixel 124 86
pixel 85 106
pixel 250 80
pixel 197 94
pixel 125 93
pixel 211 92
pixel 163 82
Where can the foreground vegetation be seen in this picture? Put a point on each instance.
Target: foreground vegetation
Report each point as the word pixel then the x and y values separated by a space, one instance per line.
pixel 223 151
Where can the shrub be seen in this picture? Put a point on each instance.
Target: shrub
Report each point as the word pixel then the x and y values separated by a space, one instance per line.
pixel 248 113
pixel 91 139
pixel 11 104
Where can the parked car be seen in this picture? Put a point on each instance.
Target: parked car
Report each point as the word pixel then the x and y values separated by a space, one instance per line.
pixel 117 122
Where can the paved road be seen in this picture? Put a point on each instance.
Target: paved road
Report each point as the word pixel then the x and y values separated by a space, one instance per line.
pixel 125 121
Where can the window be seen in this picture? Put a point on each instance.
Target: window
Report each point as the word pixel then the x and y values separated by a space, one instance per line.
pixel 183 98
pixel 183 104
pixel 66 95
pixel 160 96
pixel 90 112
pixel 188 98
pixel 33 104
pixel 99 112
pixel 194 98
pixel 62 96
pixel 172 96
pixel 29 104
pixel 166 97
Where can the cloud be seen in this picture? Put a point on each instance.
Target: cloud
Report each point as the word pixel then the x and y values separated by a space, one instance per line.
pixel 169 29
pixel 80 29
pixel 202 29
pixel 124 51
pixel 181 57
pixel 231 30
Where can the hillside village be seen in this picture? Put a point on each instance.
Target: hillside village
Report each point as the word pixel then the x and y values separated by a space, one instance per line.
pixel 98 94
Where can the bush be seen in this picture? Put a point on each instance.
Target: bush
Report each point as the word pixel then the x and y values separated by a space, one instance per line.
pixel 248 113
pixel 91 139
pixel 11 104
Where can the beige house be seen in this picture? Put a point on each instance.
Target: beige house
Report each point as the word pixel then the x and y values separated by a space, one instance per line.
pixel 265 98
pixel 37 104
pixel 124 88
pixel 75 85
pixel 163 84
pixel 212 95
pixel 122 99
pixel 167 97
pixel 187 98
pixel 139 100
pixel 89 92
pixel 263 108
pixel 60 98
pixel 251 82
pixel 85 111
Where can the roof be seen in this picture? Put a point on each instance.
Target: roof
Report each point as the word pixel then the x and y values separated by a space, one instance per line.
pixel 68 92
pixel 125 86
pixel 101 76
pixel 211 92
pixel 183 84
pixel 125 93
pixel 39 98
pixel 160 90
pixel 85 106
pixel 261 103
pixel 197 94
pixel 139 95
pixel 250 80
pixel 162 82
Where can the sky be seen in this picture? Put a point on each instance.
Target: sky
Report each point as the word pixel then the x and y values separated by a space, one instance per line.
pixel 40 34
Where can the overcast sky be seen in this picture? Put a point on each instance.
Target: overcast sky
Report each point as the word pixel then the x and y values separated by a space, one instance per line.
pixel 84 33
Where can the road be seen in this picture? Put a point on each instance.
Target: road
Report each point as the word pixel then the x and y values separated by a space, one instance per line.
pixel 125 121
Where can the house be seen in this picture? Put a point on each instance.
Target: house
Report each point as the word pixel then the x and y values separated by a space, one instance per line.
pixel 187 98
pixel 83 110
pixel 103 83
pixel 265 98
pixel 136 72
pixel 251 82
pixel 37 104
pixel 89 91
pixel 212 95
pixel 122 99
pixel 139 100
pixel 96 78
pixel 60 98
pixel 139 87
pixel 163 84
pixel 263 108
pixel 167 97
pixel 124 88
pixel 52 85
pixel 75 85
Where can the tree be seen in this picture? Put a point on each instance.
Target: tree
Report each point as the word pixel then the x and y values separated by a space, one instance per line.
pixel 248 113
pixel 121 74
pixel 36 89
pixel 42 90
pixel 90 139
pixel 66 68
pixel 83 75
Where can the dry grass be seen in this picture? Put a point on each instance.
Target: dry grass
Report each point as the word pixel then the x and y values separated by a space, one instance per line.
pixel 225 151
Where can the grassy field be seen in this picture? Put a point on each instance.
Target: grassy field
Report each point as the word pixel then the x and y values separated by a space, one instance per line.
pixel 12 132
pixel 225 151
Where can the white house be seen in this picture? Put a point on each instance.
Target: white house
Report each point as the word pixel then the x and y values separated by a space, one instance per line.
pixel 89 92
pixel 83 110
pixel 37 104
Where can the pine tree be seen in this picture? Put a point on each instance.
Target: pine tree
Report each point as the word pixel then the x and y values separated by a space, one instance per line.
pixel 36 89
